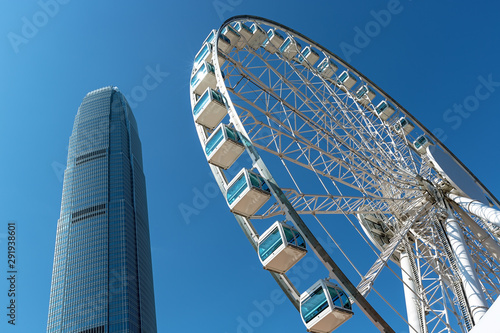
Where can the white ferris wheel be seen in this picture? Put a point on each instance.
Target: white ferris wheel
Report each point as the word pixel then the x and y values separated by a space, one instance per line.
pixel 301 143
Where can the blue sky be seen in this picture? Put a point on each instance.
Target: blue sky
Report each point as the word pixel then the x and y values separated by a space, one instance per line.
pixel 428 56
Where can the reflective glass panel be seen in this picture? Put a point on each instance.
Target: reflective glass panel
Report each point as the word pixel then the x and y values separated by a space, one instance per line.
pixel 214 142
pixel 236 189
pixel 270 244
pixel 314 305
pixel 202 54
pixel 293 237
pixel 205 98
pixel 199 74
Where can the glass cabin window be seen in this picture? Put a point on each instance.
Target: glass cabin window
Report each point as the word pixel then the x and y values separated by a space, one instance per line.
pixel 201 55
pixel 335 297
pixel 343 77
pixel 214 142
pixel 258 181
pixel 270 244
pixel 322 66
pixel 382 107
pixel 210 37
pixel 231 134
pixel 205 98
pixel 236 189
pixel 293 237
pixel 197 77
pixel 361 92
pixel 216 96
pixel 345 300
pixel 314 305
pixel 285 44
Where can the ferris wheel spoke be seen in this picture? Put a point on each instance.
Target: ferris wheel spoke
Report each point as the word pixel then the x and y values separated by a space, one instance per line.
pixel 367 281
pixel 357 122
pixel 346 132
pixel 317 204
pixel 295 148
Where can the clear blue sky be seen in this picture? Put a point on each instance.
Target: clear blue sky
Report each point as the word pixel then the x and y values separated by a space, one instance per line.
pixel 428 57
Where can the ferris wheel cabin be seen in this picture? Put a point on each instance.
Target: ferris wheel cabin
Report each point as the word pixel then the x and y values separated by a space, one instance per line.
pixel 364 95
pixel 327 68
pixel 205 54
pixel 405 125
pixel 224 42
pixel 203 78
pixel 347 80
pixel 308 57
pixel 259 36
pixel 324 307
pixel 247 193
pixel 384 110
pixel 273 41
pixel 223 147
pixel 281 247
pixel 421 143
pixel 290 48
pixel 210 109
pixel 234 37
pixel 254 36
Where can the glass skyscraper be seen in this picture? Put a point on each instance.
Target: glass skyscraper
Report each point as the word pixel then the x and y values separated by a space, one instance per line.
pixel 102 275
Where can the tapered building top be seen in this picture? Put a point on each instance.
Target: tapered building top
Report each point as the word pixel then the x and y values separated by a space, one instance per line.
pixel 102 274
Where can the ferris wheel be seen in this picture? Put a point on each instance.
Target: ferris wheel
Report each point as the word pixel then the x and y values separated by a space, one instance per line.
pixel 301 143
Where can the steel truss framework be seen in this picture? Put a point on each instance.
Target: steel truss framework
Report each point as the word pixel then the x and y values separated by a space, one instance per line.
pixel 337 156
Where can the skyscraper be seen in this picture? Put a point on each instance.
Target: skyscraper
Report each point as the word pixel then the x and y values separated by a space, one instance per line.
pixel 102 275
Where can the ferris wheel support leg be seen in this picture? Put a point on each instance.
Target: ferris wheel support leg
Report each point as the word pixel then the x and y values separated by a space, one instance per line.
pixel 472 287
pixel 410 292
pixel 477 208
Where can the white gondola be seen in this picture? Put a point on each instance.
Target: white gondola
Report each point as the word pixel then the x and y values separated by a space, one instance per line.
pixel 223 147
pixel 364 95
pixel 253 36
pixel 347 80
pixel 205 54
pixel 309 55
pixel 273 41
pixel 243 30
pixel 384 110
pixel 224 42
pixel 281 247
pixel 405 125
pixel 203 78
pixel 421 143
pixel 327 68
pixel 210 109
pixel 247 193
pixel 258 37
pixel 290 48
pixel 324 307
pixel 230 33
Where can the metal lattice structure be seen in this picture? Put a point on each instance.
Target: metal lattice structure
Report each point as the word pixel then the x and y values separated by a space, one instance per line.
pixel 326 141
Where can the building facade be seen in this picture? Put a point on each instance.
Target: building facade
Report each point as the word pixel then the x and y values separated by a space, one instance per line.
pixel 102 275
